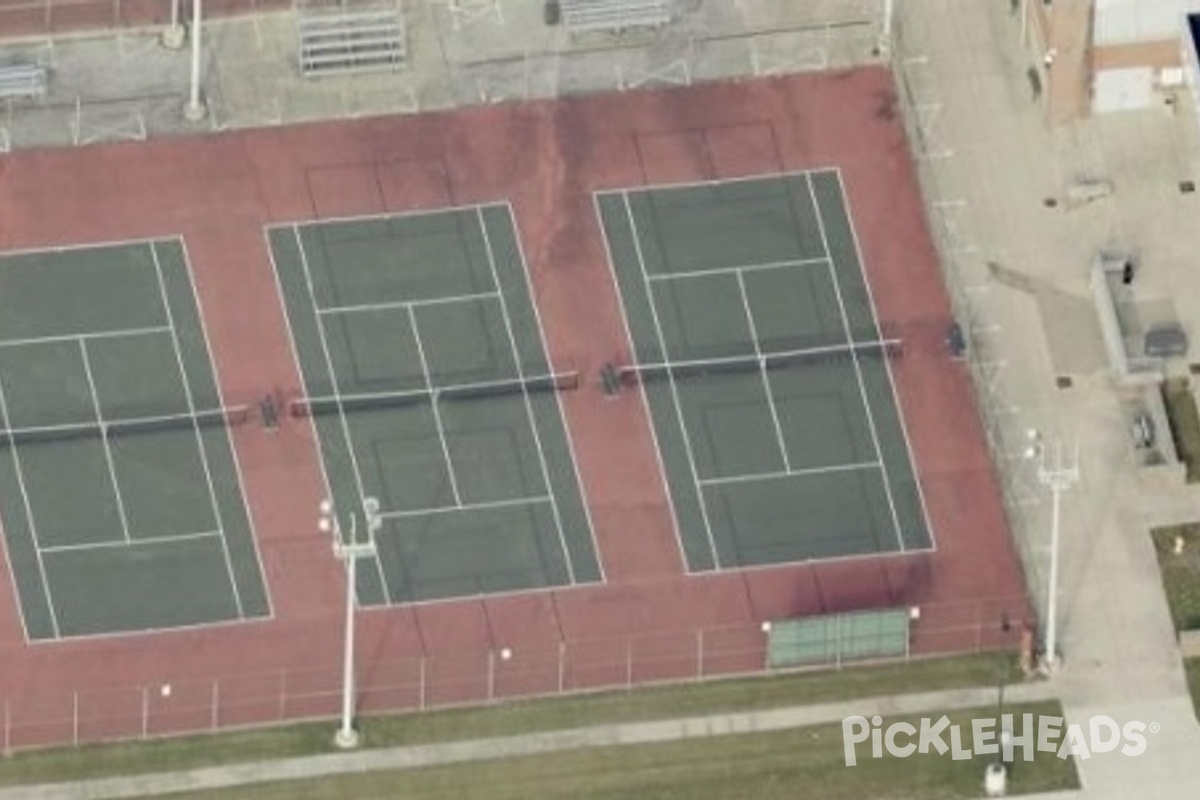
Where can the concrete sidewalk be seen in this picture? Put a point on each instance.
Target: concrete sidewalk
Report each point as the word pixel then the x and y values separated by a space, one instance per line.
pixel 998 165
pixel 525 745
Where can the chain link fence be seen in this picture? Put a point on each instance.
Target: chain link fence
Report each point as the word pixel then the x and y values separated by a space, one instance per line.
pixel 112 78
pixel 965 269
pixel 545 669
pixel 500 54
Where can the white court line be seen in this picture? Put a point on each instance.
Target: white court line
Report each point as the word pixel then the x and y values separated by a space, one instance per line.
pixel 429 512
pixel 887 364
pixel 213 368
pixel 173 630
pixel 437 391
pixel 662 341
pixel 101 427
pixel 862 387
pixel 738 269
pixel 112 244
pixel 516 354
pixel 183 537
pixel 537 315
pixel 792 473
pixel 333 377
pixel 437 414
pixel 381 216
pixel 393 305
pixel 762 370
pixel 191 402
pixel 16 456
pixel 779 355
pixel 710 183
pixel 77 337
pixel 649 417
pixel 108 456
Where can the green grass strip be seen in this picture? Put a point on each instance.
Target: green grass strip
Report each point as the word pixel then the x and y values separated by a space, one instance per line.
pixel 1180 572
pixel 805 762
pixel 511 718
pixel 1185 424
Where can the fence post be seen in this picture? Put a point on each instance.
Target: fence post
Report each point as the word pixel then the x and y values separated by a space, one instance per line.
pixel 629 662
pixel 145 712
pixel 837 623
pixel 699 653
pixel 75 718
pixel 421 691
pixel 216 702
pixel 562 666
pixel 491 675
pixel 7 728
pixel 283 673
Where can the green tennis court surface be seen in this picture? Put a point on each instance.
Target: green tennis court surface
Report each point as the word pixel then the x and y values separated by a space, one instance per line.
pixel 767 378
pixel 428 384
pixel 119 489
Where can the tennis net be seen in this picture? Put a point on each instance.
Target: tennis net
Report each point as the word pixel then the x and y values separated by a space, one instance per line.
pixel 813 356
pixel 116 428
pixel 376 401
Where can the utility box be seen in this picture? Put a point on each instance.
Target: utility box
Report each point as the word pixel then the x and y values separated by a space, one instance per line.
pixel 1165 340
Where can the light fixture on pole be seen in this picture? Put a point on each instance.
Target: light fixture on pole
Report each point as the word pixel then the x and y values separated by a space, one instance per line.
pixel 1058 470
pixel 349 551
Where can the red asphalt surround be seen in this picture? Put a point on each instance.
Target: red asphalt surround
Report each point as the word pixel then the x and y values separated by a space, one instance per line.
pixel 546 158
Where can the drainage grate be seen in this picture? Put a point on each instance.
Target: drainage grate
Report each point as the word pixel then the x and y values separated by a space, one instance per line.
pixel 1187 187
pixel 1194 368
pixel 1064 382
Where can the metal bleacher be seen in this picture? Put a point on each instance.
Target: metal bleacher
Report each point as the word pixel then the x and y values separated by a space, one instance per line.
pixel 342 38
pixel 22 81
pixel 581 16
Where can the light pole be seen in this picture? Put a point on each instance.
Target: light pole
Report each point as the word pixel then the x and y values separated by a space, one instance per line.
pixel 174 35
pixel 885 33
pixel 194 110
pixel 349 552
pixel 1058 474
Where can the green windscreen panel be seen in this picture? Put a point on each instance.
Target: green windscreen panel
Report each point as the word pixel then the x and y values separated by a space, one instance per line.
pixel 834 638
